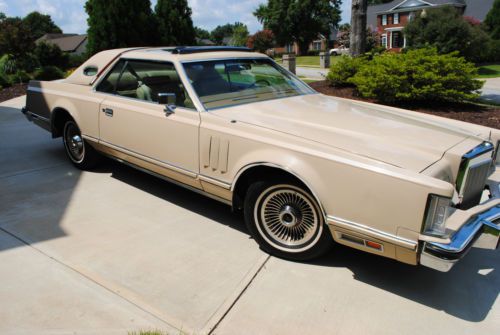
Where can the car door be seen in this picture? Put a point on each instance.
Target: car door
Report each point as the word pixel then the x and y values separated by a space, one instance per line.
pixel 132 121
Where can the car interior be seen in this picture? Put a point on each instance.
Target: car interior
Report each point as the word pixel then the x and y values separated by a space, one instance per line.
pixel 144 81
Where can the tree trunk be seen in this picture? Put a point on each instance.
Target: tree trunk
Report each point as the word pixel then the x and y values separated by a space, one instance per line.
pixel 358 27
pixel 303 48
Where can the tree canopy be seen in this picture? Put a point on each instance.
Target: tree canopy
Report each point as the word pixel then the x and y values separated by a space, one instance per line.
pixel 119 23
pixel 261 41
pixel 492 21
pixel 202 33
pixel 226 30
pixel 299 20
pixel 240 35
pixel 40 24
pixel 446 29
pixel 175 26
pixel 15 38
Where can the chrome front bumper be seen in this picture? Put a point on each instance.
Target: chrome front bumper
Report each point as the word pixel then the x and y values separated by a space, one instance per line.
pixel 442 257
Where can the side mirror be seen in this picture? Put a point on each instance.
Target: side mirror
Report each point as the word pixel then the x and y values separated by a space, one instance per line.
pixel 168 100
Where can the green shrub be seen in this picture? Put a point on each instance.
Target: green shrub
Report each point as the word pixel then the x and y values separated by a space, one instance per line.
pixel 49 73
pixel 4 80
pixel 8 65
pixel 49 54
pixel 418 75
pixel 76 60
pixel 313 52
pixel 20 77
pixel 344 69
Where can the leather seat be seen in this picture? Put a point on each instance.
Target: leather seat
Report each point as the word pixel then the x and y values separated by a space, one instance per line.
pixel 209 82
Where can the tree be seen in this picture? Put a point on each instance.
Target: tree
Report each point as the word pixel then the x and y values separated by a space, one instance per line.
pixel 202 33
pixel 175 26
pixel 344 35
pixel 358 27
pixel 119 23
pixel 261 41
pixel 49 54
pixel 227 30
pixel 492 21
pixel 299 20
pixel 446 29
pixel 40 24
pixel 240 35
pixel 15 39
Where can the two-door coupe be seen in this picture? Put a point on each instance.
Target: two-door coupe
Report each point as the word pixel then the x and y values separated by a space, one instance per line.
pixel 306 169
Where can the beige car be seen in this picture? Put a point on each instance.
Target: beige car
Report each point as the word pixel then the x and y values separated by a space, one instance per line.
pixel 304 168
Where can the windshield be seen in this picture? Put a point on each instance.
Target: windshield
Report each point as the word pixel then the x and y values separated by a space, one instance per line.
pixel 231 82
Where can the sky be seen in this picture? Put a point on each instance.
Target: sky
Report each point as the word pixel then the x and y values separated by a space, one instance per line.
pixel 70 15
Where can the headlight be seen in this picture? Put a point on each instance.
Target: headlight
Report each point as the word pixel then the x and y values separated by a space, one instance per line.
pixel 438 210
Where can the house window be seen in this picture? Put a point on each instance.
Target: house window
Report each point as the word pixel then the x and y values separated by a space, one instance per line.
pixel 396 18
pixel 383 41
pixel 384 20
pixel 397 39
pixel 317 45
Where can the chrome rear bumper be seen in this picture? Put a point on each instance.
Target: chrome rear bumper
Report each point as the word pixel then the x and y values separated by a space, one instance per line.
pixel 442 257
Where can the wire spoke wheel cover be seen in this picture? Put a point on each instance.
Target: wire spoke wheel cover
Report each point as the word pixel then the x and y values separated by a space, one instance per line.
pixel 73 142
pixel 288 218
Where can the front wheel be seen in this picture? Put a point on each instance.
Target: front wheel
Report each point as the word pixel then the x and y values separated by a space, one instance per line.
pixel 286 221
pixel 82 155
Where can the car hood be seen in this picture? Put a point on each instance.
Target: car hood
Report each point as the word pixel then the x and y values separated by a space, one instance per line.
pixel 386 134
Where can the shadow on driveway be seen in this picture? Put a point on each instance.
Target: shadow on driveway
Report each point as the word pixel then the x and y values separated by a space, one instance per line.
pixel 467 292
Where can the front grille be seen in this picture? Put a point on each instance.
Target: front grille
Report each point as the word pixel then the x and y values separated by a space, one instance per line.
pixel 474 184
pixel 473 173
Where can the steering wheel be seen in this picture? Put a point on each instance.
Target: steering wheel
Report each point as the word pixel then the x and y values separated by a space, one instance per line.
pixel 262 82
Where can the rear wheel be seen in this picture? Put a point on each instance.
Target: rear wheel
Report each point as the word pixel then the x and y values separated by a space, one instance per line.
pixel 81 154
pixel 286 221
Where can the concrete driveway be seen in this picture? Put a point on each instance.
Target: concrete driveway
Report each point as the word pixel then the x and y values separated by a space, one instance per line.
pixel 116 250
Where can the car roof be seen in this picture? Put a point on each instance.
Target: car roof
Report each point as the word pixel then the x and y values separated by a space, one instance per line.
pixel 104 59
pixel 168 54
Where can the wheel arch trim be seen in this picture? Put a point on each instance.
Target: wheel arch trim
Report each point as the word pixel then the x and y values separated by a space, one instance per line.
pixel 285 169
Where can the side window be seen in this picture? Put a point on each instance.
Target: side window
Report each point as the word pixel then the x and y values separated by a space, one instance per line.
pixel 145 80
pixel 108 85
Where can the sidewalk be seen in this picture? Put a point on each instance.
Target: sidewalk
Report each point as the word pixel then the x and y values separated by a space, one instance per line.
pixel 491 90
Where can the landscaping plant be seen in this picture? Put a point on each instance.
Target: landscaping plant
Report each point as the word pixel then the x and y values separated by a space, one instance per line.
pixel 344 69
pixel 416 76
pixel 49 73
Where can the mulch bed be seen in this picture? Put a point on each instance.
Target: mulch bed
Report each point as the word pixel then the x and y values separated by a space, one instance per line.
pixel 13 92
pixel 479 114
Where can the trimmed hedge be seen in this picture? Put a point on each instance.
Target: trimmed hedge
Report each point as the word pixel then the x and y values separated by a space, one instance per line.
pixel 418 75
pixel 344 69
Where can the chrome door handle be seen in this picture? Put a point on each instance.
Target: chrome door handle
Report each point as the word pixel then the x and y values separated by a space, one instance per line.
pixel 108 112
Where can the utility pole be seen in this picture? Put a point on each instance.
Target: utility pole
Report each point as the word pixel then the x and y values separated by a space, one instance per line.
pixel 358 27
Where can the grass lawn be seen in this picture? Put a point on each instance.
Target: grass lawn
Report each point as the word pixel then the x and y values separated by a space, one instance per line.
pixel 310 61
pixel 489 71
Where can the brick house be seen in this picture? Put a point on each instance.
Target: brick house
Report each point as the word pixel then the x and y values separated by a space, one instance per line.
pixel 322 43
pixel 390 19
